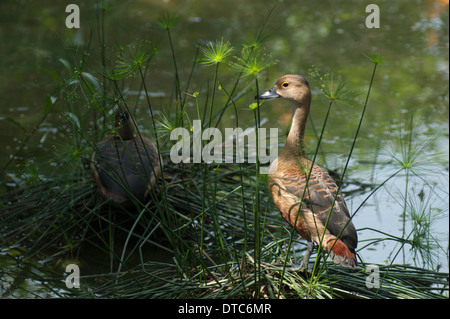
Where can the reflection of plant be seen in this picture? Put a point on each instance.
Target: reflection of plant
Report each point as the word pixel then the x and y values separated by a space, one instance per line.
pixel 411 154
pixel 423 214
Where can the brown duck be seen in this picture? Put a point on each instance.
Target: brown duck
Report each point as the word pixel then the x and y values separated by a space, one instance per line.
pixel 125 167
pixel 307 203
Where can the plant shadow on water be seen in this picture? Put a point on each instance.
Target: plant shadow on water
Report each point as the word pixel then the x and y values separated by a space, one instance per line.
pixel 209 230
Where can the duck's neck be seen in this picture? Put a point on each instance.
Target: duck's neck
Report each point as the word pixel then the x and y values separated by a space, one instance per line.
pixel 295 140
pixel 125 132
pixel 124 125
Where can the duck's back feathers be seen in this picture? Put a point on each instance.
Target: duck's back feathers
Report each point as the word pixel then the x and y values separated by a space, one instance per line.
pixel 126 168
pixel 290 186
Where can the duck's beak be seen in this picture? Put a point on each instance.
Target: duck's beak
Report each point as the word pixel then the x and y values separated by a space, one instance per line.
pixel 269 94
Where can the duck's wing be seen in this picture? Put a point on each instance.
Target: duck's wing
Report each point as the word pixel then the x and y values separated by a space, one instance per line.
pixel 318 196
pixel 127 167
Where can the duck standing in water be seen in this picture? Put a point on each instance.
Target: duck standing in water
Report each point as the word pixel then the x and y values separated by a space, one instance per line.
pixel 125 167
pixel 308 202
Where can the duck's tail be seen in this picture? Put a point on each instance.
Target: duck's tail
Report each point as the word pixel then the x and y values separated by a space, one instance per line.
pixel 341 253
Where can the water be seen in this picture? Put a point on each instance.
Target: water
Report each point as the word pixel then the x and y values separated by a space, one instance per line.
pixel 412 82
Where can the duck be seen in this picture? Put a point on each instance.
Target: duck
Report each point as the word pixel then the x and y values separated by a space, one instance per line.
pixel 304 193
pixel 124 166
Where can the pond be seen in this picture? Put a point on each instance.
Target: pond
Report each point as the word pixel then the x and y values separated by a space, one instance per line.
pixel 405 124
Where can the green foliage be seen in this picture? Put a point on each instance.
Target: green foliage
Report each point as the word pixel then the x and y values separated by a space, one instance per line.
pixel 169 21
pixel 334 87
pixel 215 53
pixel 375 58
pixel 252 61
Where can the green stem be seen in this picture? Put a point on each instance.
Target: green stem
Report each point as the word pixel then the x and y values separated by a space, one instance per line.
pixel 213 94
pixel 257 228
pixel 177 79
pixel 349 156
pixel 406 168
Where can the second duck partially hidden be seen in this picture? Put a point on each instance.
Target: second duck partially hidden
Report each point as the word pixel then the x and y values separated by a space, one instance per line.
pixel 125 167
pixel 308 202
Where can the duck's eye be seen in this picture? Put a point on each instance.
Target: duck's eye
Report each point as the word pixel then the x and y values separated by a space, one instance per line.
pixel 285 84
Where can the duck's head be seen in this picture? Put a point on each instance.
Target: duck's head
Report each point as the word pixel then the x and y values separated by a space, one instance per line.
pixel 290 87
pixel 124 124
